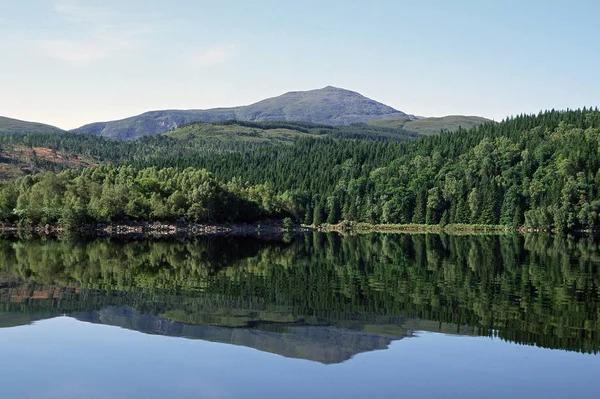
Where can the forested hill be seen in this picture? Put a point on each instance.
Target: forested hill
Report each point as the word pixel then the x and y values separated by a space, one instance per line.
pixel 541 171
pixel 330 106
pixel 26 153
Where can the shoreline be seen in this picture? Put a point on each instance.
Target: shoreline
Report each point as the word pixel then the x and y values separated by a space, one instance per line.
pixel 265 228
pixel 414 228
pixel 346 227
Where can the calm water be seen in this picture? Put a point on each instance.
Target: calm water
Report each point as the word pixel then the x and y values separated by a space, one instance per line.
pixel 321 316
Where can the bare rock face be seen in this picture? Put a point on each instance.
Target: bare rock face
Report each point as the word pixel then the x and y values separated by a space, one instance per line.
pixel 329 106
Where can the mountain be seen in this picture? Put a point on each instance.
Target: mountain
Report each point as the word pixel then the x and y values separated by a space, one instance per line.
pixel 9 125
pixel 429 126
pixel 330 106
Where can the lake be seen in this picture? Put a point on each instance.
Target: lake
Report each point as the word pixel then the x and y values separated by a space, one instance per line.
pixel 313 316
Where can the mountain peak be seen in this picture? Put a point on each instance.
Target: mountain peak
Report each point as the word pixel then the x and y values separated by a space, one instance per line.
pixel 327 90
pixel 333 88
pixel 324 90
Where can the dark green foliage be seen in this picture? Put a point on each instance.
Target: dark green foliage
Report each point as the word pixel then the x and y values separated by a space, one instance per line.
pixel 113 194
pixel 318 213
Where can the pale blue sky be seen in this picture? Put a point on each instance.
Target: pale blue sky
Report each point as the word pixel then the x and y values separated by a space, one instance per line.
pixel 70 62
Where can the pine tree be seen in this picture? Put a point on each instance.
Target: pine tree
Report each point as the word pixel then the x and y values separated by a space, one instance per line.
pixel 318 213
pixel 419 212
pixel 334 212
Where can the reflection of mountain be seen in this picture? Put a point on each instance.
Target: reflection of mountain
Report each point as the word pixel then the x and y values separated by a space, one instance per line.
pixel 321 339
pixel 324 344
pixel 328 339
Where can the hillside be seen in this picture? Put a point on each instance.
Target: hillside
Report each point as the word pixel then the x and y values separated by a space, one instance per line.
pixel 9 125
pixel 234 132
pixel 278 132
pixel 19 160
pixel 330 106
pixel 429 126
pixel 30 153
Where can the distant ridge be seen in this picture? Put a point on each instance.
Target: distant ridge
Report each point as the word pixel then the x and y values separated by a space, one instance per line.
pixel 329 105
pixel 9 125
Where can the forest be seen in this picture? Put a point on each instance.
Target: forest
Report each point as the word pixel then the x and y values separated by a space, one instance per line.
pixel 539 171
pixel 106 194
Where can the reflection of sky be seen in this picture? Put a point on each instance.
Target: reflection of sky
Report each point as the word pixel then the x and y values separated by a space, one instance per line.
pixel 64 358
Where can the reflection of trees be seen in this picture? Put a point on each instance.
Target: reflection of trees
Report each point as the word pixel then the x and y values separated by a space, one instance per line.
pixel 539 289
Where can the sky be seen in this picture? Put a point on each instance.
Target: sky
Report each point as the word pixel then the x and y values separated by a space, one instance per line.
pixel 72 62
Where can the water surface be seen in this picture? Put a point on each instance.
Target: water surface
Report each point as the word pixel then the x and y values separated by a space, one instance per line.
pixel 318 316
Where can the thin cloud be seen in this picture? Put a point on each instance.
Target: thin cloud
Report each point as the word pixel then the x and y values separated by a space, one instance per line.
pixel 84 51
pixel 217 55
pixel 72 51
pixel 77 12
pixel 103 33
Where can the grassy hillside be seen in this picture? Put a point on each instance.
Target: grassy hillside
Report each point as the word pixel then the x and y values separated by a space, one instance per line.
pixel 236 133
pixel 9 125
pixel 330 106
pixel 429 126
pixel 281 132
